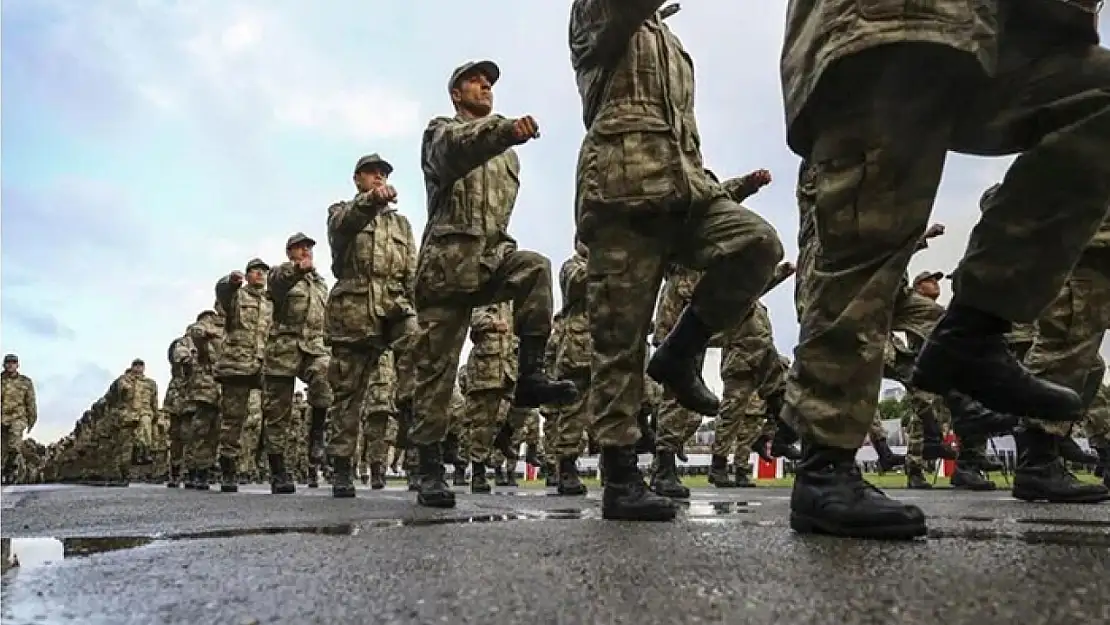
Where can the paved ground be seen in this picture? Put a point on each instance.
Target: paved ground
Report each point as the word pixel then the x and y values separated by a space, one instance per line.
pixel 152 555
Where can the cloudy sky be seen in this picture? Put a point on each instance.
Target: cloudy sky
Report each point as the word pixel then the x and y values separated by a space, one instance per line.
pixel 151 146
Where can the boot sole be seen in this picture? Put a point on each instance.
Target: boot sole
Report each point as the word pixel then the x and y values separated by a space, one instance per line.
pixel 429 502
pixel 940 383
pixel 804 524
pixel 659 516
pixel 1092 498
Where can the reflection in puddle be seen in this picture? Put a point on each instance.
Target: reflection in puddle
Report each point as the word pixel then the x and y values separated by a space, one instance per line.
pixel 27 553
pixel 697 509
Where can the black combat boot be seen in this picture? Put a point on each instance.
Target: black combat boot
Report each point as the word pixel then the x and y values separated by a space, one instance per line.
pixel 499 476
pixel 434 491
pixel 968 476
pixel 510 473
pixel 666 482
pixel 677 364
pixel 532 456
pixel 915 478
pixel 888 460
pixel 568 481
pixel 743 473
pixel 479 483
pixel 551 474
pixel 534 387
pixel 718 472
pixel 175 476
pixel 1042 476
pixel 783 444
pixel 364 478
pixel 967 352
pixel 377 475
pixel 412 480
pixel 459 476
pixel 1071 452
pixel 280 481
pixel 831 497
pixel 625 496
pixel 313 476
pixel 971 420
pixel 202 480
pixel 342 478
pixel 229 477
pixel 316 428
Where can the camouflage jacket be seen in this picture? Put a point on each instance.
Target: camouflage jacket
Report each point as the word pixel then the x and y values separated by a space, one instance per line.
pixel 821 32
pixel 471 176
pixel 249 314
pixel 299 299
pixel 636 83
pixel 17 399
pixel 133 396
pixel 575 349
pixel 208 339
pixel 374 262
pixel 491 363
pixel 182 356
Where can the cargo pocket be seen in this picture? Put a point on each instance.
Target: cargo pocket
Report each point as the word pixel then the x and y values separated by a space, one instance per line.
pixel 347 315
pixel 636 160
pixel 451 260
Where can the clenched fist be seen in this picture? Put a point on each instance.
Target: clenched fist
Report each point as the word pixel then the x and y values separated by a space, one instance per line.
pixel 236 277
pixel 934 231
pixel 383 194
pixel 758 178
pixel 525 129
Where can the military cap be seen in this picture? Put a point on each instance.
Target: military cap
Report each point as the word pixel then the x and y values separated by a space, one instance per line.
pixel 487 67
pixel 988 195
pixel 257 263
pixel 374 161
pixel 298 238
pixel 11 358
pixel 137 362
pixel 927 275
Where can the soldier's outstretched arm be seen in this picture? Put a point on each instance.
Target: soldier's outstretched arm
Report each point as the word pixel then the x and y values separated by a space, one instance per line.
pixel 346 219
pixel 281 279
pixel 452 147
pixel 225 292
pixel 600 29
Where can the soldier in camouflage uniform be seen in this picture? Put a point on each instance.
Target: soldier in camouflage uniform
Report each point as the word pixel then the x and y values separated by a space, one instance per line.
pixel 250 444
pixel 295 350
pixel 1005 78
pixel 459 434
pixel 239 370
pixel 182 359
pixel 571 351
pixel 490 375
pixel 298 462
pixel 18 411
pixel 645 201
pixel 203 398
pixel 369 308
pixel 468 259
pixel 1066 351
pixel 528 434
pixel 132 398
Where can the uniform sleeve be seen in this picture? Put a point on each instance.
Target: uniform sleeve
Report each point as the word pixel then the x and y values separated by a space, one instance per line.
pixel 32 404
pixel 153 397
pixel 281 280
pixel 225 293
pixel 572 280
pixel 453 147
pixel 601 29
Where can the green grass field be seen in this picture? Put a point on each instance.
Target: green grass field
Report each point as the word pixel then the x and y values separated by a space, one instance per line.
pixel 889 480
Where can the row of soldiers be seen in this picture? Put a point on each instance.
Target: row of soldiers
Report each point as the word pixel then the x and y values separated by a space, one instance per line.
pixel 875 98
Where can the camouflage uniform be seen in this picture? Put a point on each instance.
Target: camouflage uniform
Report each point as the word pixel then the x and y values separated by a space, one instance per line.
pixel 297 463
pixel 675 424
pixel 133 399
pixel 491 374
pixel 203 396
pixel 467 260
pixel 295 349
pixel 19 411
pixel 248 466
pixel 571 351
pixel 182 359
pixel 644 200
pixel 379 408
pixel 369 311
pixel 239 370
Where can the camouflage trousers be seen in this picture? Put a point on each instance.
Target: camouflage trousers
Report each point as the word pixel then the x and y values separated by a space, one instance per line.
pixel 522 277
pixel 374 447
pixel 180 430
pixel 486 409
pixel 629 251
pixel 11 435
pixel 565 428
pixel 277 401
pixel 881 136
pixel 750 371
pixel 923 406
pixel 354 373
pixel 204 436
pixel 1070 332
pixel 235 408
pixel 526 431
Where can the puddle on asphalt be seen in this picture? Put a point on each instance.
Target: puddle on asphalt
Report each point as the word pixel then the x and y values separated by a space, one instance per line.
pixel 27 553
pixel 703 509
pixel 1065 522
pixel 1032 537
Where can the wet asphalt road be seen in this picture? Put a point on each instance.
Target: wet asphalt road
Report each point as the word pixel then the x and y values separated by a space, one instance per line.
pixel 148 555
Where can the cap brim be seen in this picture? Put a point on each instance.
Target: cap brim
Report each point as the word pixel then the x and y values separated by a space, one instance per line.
pixel 309 241
pixel 382 165
pixel 487 67
pixel 262 266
